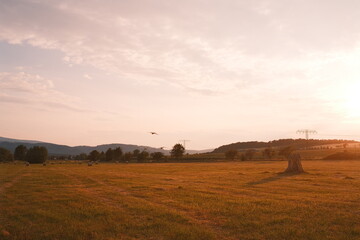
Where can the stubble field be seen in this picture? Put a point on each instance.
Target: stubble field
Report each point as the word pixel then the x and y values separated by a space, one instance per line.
pixel 233 200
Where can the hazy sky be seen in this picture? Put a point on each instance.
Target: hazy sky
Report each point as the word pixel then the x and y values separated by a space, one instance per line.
pixel 214 72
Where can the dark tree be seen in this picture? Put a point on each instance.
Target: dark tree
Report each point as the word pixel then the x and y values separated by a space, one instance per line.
pixel 102 156
pixel 20 152
pixel 117 154
pixel 268 153
pixel 109 155
pixel 141 157
pixel 94 155
pixel 177 151
pixel 157 156
pixel 5 155
pixel 36 154
pixel 249 154
pixel 81 156
pixel 127 157
pixel 231 154
pixel 136 152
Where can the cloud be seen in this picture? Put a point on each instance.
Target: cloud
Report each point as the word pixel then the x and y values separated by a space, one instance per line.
pixel 205 48
pixel 87 76
pixel 34 90
pixel 196 44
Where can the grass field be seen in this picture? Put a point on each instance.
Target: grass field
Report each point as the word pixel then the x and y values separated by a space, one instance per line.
pixel 233 200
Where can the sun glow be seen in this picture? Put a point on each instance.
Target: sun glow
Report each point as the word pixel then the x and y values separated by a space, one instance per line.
pixel 352 100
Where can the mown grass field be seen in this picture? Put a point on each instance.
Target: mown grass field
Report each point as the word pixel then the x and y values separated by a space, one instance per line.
pixel 232 200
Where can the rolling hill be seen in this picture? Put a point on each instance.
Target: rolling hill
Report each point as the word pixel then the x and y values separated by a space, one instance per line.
pixel 296 143
pixel 57 150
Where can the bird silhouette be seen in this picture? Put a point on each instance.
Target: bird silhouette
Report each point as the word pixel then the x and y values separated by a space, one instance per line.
pixel 152 133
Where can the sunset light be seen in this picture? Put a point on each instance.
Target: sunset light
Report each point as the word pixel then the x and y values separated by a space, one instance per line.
pixel 179 120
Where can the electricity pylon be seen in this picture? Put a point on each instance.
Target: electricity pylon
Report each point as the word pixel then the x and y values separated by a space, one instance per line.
pixel 307 132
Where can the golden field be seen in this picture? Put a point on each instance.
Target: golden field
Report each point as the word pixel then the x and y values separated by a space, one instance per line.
pixel 224 200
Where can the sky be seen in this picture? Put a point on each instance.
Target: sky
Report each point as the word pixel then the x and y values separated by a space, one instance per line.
pixel 212 72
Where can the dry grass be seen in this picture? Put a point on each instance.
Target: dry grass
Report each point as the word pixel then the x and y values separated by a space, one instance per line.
pixel 243 200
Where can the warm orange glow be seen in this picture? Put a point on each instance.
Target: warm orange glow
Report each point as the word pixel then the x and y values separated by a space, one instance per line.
pixel 352 103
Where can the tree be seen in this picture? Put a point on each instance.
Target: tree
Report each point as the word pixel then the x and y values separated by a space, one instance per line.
pixel 36 154
pixel 117 154
pixel 177 151
pixel 109 155
pixel 249 154
pixel 268 153
pixel 141 157
pixel 136 152
pixel 231 154
pixel 94 155
pixel 127 156
pixel 81 156
pixel 157 156
pixel 20 152
pixel 102 156
pixel 5 155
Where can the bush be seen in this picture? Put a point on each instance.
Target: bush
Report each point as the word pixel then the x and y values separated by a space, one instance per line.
pixel 5 155
pixel 36 155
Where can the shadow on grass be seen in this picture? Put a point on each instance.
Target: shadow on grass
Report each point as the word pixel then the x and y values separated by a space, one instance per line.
pixel 274 178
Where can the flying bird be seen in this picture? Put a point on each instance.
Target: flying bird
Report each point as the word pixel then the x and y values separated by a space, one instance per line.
pixel 152 133
pixel 162 148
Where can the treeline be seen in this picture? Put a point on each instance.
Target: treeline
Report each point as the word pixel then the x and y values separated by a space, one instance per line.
pixel 266 153
pixel 137 155
pixel 39 154
pixel 297 143
pixel 36 154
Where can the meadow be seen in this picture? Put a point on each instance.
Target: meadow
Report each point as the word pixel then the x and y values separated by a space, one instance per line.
pixel 223 200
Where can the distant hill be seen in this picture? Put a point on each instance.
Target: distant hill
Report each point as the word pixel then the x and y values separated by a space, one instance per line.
pixel 56 149
pixel 2 139
pixel 297 143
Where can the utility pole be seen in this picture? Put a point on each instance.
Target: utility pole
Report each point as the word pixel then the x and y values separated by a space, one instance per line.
pixel 183 141
pixel 307 132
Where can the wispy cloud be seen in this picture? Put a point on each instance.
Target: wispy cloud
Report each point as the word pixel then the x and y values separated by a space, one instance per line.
pixel 191 42
pixel 30 89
